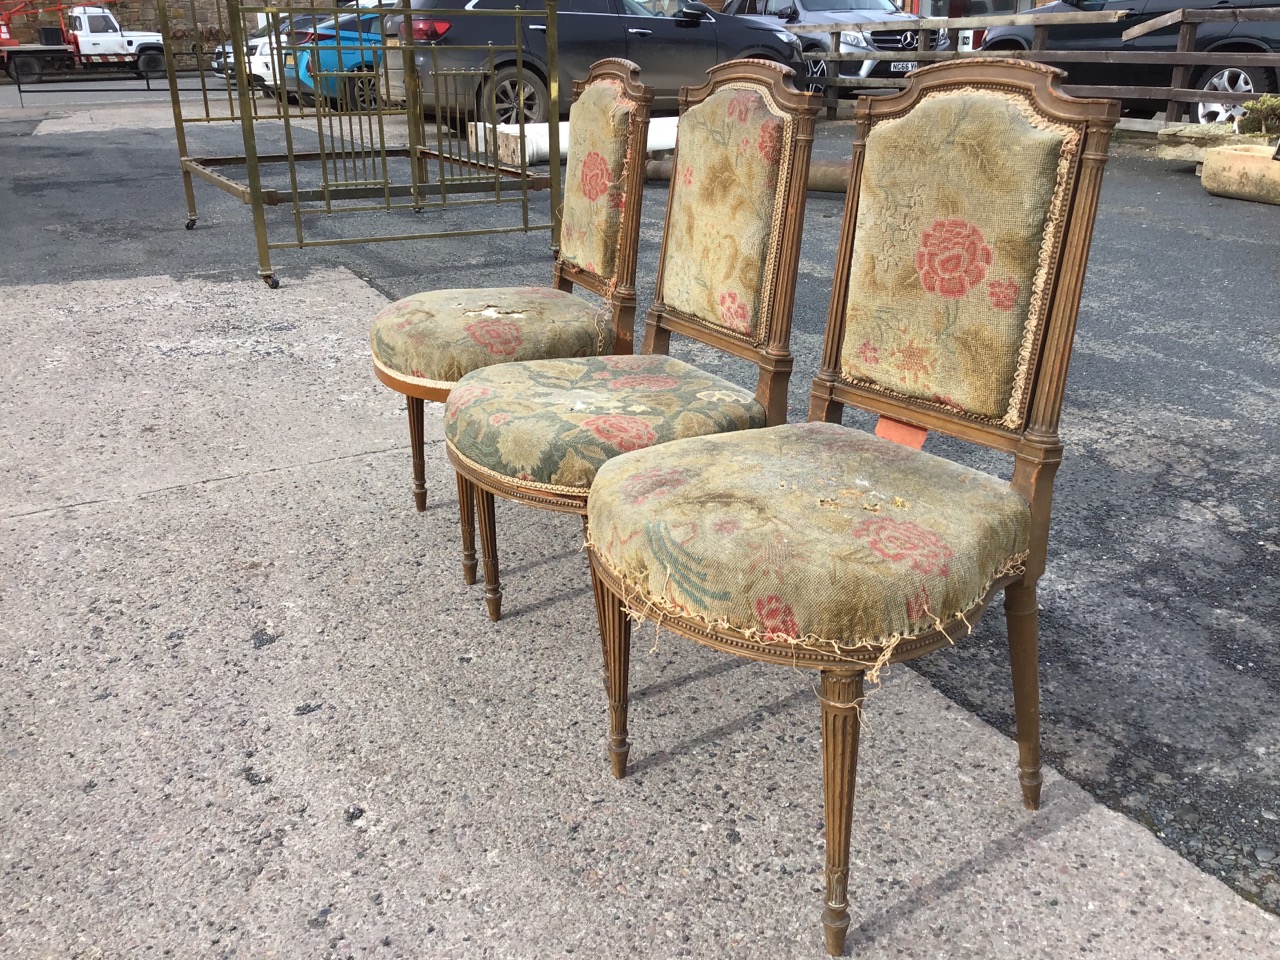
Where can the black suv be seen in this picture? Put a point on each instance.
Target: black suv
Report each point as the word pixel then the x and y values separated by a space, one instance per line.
pixel 672 51
pixel 1223 36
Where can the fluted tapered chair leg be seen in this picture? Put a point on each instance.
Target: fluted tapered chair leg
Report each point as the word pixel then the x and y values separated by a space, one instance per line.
pixel 418 450
pixel 489 551
pixel 467 517
pixel 615 640
pixel 841 696
pixel 1023 617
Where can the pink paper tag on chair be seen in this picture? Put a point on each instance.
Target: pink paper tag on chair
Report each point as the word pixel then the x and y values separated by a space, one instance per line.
pixel 904 433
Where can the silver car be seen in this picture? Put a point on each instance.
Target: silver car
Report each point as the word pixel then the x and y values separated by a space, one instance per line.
pixel 901 33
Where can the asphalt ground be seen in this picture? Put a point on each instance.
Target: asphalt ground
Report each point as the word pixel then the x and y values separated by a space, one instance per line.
pixel 219 599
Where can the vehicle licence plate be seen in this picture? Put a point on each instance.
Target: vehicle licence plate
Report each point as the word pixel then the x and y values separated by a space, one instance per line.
pixel 902 66
pixel 288 59
pixel 392 41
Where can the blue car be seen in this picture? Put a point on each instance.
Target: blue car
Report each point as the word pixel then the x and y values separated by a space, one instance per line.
pixel 338 61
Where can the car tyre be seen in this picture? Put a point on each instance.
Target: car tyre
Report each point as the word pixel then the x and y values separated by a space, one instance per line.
pixel 1234 80
pixel 815 72
pixel 360 95
pixel 24 69
pixel 504 97
pixel 151 65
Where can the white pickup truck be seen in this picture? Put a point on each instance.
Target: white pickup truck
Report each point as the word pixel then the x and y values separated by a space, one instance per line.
pixel 93 40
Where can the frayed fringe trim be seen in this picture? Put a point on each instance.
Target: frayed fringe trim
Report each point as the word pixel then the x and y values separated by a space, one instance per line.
pixel 657 610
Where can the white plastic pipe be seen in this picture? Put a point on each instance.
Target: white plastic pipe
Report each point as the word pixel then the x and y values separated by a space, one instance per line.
pixel 537 136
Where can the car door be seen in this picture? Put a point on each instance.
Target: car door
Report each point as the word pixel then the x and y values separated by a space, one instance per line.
pixel 104 35
pixel 586 31
pixel 1166 40
pixel 1097 36
pixel 672 52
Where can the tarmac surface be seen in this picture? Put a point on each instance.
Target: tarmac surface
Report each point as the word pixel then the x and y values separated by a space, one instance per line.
pixel 248 708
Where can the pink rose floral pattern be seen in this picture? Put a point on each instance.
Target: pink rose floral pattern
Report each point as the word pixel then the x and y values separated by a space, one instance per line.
pixel 622 432
pixel 954 239
pixel 952 259
pixel 500 337
pixel 642 487
pixel 741 106
pixel 902 541
pixel 776 618
pixel 769 142
pixel 1003 294
pixel 594 178
pixel 943 534
pixel 734 312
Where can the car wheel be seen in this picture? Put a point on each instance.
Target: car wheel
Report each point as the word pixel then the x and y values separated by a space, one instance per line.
pixel 24 69
pixel 361 93
pixel 1230 80
pixel 816 73
pixel 505 98
pixel 151 65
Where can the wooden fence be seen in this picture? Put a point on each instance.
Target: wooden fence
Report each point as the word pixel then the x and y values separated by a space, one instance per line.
pixel 1184 60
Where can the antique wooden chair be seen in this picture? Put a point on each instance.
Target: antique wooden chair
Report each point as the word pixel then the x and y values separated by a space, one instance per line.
pixel 537 431
pixel 423 344
pixel 967 225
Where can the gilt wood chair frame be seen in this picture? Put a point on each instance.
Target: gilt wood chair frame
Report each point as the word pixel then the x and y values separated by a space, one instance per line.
pixel 619 291
pixel 772 357
pixel 1034 444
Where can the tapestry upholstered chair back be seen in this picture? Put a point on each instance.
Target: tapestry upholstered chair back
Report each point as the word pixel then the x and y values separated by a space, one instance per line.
pixel 604 161
pixel 949 289
pixel 720 279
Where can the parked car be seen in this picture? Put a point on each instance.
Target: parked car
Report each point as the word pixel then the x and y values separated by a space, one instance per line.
pixel 672 51
pixel 262 59
pixel 1222 36
pixel 338 60
pixel 900 33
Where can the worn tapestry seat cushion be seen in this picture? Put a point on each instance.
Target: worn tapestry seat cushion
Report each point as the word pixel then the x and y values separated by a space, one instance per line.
pixel 555 422
pixel 436 338
pixel 812 534
pixel 951 265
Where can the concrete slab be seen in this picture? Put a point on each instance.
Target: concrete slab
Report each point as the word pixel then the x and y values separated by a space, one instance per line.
pixel 119 387
pixel 248 709
pixel 103 119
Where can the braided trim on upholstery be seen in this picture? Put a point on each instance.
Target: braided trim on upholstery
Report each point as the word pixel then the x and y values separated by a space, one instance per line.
pixel 480 470
pixel 420 381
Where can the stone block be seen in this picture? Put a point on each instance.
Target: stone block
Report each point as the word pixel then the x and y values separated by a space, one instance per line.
pixel 1191 141
pixel 1245 172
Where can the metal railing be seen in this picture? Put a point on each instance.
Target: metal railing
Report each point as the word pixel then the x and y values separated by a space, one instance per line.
pixel 336 119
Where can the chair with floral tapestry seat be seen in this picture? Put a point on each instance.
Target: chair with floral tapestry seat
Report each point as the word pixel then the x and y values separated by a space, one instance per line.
pixel 536 432
pixel 423 344
pixel 962 254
